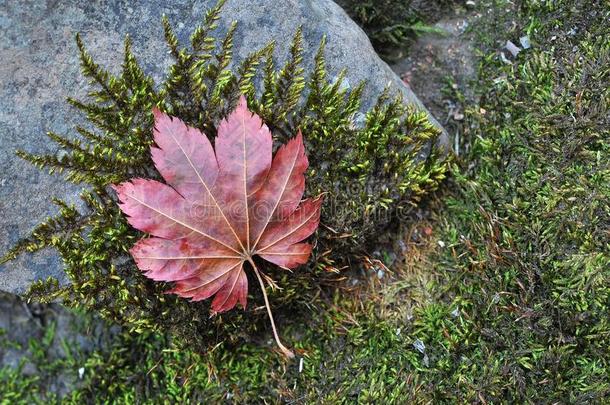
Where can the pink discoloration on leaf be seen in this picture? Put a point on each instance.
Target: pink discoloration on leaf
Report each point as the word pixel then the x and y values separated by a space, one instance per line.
pixel 219 208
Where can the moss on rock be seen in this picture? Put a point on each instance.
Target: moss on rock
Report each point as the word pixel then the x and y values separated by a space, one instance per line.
pixel 372 166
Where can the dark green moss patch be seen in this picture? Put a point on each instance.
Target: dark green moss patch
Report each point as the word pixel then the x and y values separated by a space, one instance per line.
pixel 393 25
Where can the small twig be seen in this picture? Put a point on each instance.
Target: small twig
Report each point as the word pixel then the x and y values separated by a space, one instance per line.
pixel 271 282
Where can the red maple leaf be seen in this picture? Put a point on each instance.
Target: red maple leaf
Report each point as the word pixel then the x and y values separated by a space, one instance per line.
pixel 220 208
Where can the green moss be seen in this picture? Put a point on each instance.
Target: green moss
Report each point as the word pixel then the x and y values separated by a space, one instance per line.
pixel 392 24
pixel 369 172
pixel 17 388
pixel 517 300
pixel 527 252
pixel 342 362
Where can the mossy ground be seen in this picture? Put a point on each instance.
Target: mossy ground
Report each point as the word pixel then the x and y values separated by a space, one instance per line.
pixel 504 292
pixel 393 25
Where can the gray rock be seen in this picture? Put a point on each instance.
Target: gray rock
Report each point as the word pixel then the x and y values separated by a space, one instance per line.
pixel 33 335
pixel 40 69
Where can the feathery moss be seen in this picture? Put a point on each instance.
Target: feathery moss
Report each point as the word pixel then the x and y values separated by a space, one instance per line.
pixel 512 289
pixel 369 170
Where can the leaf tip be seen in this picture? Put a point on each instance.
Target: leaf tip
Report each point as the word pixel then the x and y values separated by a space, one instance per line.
pixel 156 112
pixel 118 189
pixel 243 103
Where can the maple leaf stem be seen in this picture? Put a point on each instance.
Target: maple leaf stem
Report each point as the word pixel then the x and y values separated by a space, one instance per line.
pixel 283 348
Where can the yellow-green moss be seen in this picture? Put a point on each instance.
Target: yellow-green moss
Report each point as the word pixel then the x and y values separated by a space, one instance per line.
pixel 369 172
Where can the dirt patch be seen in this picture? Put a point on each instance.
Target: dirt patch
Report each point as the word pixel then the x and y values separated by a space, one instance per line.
pixel 441 68
pixel 393 26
